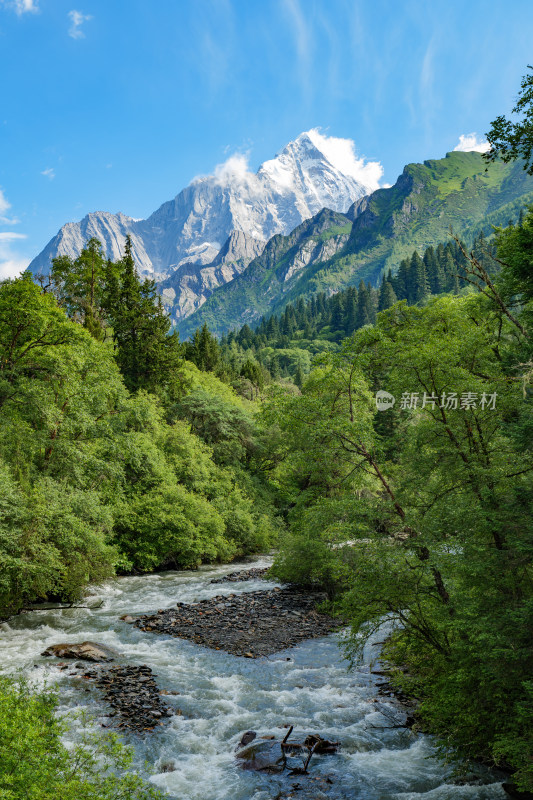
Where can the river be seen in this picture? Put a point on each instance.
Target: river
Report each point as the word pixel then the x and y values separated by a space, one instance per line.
pixel 221 696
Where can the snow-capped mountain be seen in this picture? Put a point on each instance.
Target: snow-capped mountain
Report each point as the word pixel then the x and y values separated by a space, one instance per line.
pixel 185 242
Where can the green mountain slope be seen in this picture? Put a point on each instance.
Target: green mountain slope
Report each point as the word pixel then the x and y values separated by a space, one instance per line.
pixel 416 212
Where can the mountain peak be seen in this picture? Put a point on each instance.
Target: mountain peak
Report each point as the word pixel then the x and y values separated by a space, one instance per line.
pixel 312 172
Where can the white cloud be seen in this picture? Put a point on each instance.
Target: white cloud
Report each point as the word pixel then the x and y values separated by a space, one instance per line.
pixel 76 21
pixel 21 6
pixel 469 142
pixel 12 267
pixel 11 264
pixel 49 173
pixel 8 236
pixel 341 153
pixel 236 166
pixel 5 205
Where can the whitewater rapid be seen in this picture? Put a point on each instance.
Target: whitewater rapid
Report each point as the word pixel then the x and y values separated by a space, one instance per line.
pixel 222 696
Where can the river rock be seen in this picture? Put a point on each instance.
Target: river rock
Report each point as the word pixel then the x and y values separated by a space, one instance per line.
pixel 255 573
pixel 133 694
pixel 251 624
pixel 263 756
pixel 87 651
pixel 247 737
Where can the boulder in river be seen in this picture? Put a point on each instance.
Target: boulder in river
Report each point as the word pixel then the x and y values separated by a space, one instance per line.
pixel 263 756
pixel 87 651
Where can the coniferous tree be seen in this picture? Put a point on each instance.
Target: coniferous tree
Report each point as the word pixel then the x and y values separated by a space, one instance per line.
pixel 402 284
pixel 364 315
pixel 419 285
pixel 337 313
pixel 147 355
pixel 299 376
pixel 387 296
pixel 350 312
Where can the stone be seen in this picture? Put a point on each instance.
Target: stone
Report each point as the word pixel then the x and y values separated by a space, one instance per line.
pixel 247 737
pixel 264 756
pixel 87 651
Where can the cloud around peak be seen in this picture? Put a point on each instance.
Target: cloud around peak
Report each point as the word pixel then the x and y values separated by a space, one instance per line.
pixel 342 154
pixel 471 142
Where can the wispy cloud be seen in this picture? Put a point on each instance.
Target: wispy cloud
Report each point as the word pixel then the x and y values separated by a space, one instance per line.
pixel 469 142
pixel 49 173
pixel 5 205
pixel 426 87
pixel 303 41
pixel 8 236
pixel 21 7
pixel 11 264
pixel 77 18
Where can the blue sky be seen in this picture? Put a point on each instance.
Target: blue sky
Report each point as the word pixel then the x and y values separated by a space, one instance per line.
pixel 117 104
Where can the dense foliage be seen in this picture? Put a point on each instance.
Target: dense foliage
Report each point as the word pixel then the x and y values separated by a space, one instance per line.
pixel 421 514
pixel 35 764
pixel 115 452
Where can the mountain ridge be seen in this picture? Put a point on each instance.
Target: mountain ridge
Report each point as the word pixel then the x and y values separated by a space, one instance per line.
pixel 196 226
pixel 387 226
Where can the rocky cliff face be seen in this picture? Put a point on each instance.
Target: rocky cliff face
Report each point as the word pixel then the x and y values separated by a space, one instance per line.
pixel 272 274
pixel 212 229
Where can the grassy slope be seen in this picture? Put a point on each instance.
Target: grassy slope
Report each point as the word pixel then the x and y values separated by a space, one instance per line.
pixel 416 212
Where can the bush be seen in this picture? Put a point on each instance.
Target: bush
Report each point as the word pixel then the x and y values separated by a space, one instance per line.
pixel 36 765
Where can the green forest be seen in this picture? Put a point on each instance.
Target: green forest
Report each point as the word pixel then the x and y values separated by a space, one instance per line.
pixel 124 450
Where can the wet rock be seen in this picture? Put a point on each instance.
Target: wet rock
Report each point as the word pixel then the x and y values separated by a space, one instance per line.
pixel 247 737
pixel 127 618
pixel 134 696
pixel 251 624
pixel 263 757
pixel 255 573
pixel 88 651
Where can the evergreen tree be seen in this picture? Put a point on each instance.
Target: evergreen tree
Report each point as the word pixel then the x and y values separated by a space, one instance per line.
pixel 337 312
pixel 419 284
pixel 364 316
pixel 145 352
pixel 350 312
pixel 204 351
pixel 299 376
pixel 387 296
pixel 402 285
